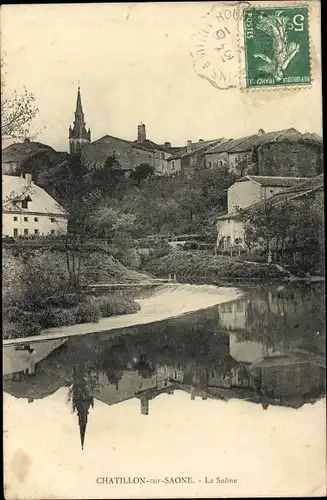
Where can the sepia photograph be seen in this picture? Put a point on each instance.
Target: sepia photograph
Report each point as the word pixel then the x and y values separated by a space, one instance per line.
pixel 163 272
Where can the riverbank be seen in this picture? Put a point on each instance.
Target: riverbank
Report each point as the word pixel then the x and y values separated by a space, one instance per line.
pixel 38 294
pixel 197 266
pixel 167 301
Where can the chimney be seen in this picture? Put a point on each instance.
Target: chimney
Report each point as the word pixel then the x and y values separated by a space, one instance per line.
pixel 201 140
pixel 189 146
pixel 141 133
pixel 28 180
pixel 167 144
pixel 27 139
pixel 261 131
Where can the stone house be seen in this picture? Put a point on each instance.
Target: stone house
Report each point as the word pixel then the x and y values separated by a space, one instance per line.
pixel 28 209
pixel 161 152
pixel 14 155
pixel 250 191
pixel 283 153
pixel 129 154
pixel 190 157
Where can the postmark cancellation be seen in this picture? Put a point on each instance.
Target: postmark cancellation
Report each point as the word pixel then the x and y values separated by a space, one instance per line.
pixel 254 45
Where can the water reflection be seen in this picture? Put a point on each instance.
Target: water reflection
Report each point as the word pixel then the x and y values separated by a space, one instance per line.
pixel 267 348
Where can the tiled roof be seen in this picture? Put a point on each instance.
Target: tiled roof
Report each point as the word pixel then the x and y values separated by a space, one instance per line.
pixel 195 147
pixel 309 184
pixel 18 152
pixel 296 191
pixel 251 141
pixel 152 146
pixel 42 202
pixel 273 181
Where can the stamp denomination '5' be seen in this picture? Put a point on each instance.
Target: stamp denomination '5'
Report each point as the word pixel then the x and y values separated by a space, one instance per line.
pixel 277 50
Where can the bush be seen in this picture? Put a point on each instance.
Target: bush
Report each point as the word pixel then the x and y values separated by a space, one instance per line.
pixel 204 266
pixel 115 305
pixel 191 245
pixel 89 312
pixel 55 317
pixel 15 330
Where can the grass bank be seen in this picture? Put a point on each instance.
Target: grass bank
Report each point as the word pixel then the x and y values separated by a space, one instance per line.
pixel 36 294
pixel 200 266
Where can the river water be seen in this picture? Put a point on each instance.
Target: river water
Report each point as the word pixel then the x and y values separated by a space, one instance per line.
pixel 235 390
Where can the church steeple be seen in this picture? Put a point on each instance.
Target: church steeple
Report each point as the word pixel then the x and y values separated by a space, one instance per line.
pixel 78 136
pixel 82 399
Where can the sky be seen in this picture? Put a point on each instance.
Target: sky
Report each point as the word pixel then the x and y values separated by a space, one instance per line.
pixel 133 64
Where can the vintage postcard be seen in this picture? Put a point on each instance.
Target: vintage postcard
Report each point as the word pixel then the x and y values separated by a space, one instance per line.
pixel 163 250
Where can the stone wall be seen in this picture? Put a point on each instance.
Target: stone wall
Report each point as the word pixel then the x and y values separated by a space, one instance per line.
pixel 126 153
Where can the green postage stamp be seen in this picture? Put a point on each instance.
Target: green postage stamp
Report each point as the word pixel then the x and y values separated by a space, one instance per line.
pixel 277 46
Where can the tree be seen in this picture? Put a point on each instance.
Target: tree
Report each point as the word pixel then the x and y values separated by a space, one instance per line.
pixel 82 195
pixel 285 225
pixel 17 111
pixel 108 178
pixel 142 172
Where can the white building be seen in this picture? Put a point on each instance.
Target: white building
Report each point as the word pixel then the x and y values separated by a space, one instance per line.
pixel 245 192
pixel 29 210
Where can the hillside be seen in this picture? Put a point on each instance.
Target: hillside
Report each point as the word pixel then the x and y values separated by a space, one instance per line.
pixel 96 267
pixel 202 266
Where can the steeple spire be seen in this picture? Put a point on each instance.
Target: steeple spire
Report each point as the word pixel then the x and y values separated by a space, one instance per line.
pixel 78 136
pixel 82 400
pixel 79 107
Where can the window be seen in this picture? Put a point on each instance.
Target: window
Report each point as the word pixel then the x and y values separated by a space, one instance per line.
pixel 213 374
pixel 36 231
pixel 228 241
pixel 15 232
pixel 52 231
pixel 25 219
pixel 172 165
pixel 15 219
pixel 26 232
pixel 228 221
pixel 52 219
pixel 25 204
pixel 36 219
pixel 162 156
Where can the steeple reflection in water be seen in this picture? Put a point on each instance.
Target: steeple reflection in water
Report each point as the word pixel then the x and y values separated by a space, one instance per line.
pixel 267 348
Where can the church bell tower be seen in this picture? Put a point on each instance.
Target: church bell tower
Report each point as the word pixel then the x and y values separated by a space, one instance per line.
pixel 78 135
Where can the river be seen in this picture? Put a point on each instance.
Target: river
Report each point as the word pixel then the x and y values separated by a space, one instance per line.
pixel 221 389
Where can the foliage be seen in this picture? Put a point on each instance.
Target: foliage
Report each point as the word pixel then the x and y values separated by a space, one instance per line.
pixel 35 282
pixel 36 296
pixel 56 316
pixel 87 312
pixel 178 205
pixel 203 266
pixel 112 305
pixel 84 193
pixel 141 172
pixel 17 111
pixel 287 225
